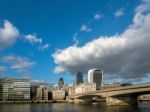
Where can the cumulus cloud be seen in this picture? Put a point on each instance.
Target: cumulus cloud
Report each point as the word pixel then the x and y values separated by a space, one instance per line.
pixel 8 34
pixel 119 12
pixel 44 47
pixel 125 56
pixel 98 16
pixel 33 39
pixel 85 28
pixel 18 63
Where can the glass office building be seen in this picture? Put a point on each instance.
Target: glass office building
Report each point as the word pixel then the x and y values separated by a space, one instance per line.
pixel 95 76
pixel 79 78
pixel 14 89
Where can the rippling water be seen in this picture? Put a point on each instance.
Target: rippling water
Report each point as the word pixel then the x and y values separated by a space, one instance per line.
pixel 66 107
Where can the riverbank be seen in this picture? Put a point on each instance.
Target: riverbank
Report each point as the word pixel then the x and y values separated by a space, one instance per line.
pixel 33 102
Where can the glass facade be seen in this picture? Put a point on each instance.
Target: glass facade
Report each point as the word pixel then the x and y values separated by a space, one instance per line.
pixel 61 83
pixel 95 76
pixel 79 78
pixel 14 89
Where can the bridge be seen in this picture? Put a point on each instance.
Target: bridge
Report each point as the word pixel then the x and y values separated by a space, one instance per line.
pixel 115 96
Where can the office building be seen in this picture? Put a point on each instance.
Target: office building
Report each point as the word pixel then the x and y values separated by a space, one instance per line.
pixel 61 83
pixel 14 89
pixel 95 76
pixel 109 86
pixel 58 95
pixel 79 78
pixel 39 92
pixel 82 88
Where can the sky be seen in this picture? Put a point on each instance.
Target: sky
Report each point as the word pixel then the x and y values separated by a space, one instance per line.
pixel 48 39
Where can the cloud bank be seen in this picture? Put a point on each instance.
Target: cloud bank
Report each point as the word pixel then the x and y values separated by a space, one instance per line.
pixel 125 56
pixel 8 34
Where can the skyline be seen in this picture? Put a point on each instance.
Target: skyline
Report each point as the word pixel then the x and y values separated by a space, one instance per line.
pixel 46 40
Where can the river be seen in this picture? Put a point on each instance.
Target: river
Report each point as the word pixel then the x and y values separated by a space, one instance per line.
pixel 66 107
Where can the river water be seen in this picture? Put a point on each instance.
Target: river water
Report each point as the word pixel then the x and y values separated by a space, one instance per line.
pixel 66 107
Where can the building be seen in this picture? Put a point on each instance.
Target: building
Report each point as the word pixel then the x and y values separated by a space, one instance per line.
pixel 50 89
pixel 58 95
pixel 71 91
pixel 39 92
pixel 145 97
pixel 33 91
pixel 61 83
pixel 95 76
pixel 82 88
pixel 14 89
pixel 79 78
pixel 109 86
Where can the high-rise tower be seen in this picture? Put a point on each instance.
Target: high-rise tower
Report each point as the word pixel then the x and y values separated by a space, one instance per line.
pixel 79 78
pixel 61 83
pixel 95 76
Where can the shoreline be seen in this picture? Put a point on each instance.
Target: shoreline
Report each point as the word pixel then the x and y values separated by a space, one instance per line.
pixel 33 102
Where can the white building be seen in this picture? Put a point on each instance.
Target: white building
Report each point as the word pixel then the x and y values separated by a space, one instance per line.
pixel 58 95
pixel 82 88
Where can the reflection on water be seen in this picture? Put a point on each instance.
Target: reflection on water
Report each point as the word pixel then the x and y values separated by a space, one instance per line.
pixel 62 107
pixel 144 106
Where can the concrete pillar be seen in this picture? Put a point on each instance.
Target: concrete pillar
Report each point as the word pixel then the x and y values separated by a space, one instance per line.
pixel 126 100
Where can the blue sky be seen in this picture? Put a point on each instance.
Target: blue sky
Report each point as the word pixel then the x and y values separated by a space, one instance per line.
pixel 45 26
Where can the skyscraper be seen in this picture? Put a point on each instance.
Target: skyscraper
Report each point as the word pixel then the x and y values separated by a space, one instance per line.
pixel 61 83
pixel 79 78
pixel 95 76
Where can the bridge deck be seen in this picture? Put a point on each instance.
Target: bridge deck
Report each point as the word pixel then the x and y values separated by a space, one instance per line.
pixel 142 87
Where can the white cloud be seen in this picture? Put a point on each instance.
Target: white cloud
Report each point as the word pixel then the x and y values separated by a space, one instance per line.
pixel 44 47
pixel 39 82
pixel 2 69
pixel 33 39
pixel 8 34
pixel 98 16
pixel 125 56
pixel 85 28
pixel 75 39
pixel 18 63
pixel 119 12
pixel 59 69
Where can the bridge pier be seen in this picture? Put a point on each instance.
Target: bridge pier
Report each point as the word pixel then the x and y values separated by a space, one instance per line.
pixel 82 101
pixel 121 100
pixel 79 100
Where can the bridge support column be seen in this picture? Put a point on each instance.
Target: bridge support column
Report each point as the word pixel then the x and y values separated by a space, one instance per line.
pixel 121 100
pixel 82 100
